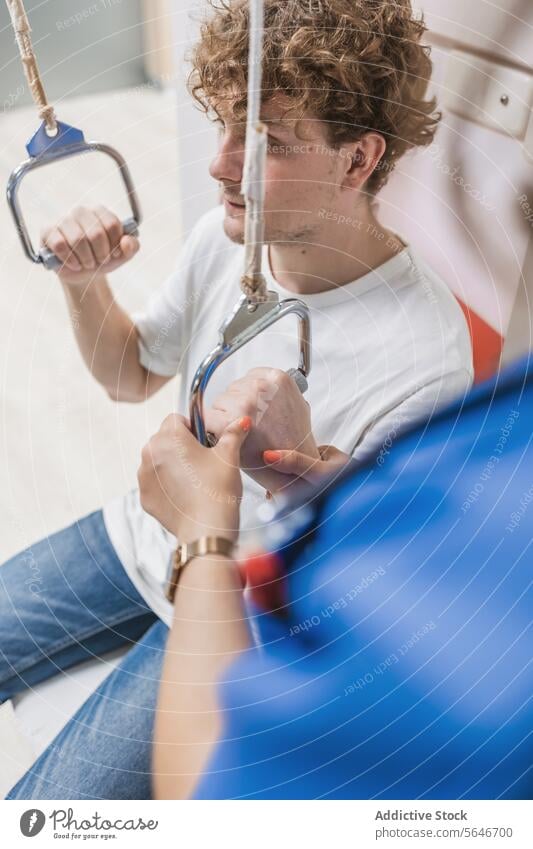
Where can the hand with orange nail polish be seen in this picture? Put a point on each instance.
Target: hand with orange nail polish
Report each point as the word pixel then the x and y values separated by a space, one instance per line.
pixel 307 469
pixel 192 490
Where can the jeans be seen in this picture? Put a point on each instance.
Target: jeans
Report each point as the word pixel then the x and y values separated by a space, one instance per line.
pixel 62 601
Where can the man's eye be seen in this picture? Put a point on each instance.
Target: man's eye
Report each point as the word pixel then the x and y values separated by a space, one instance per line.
pixel 241 137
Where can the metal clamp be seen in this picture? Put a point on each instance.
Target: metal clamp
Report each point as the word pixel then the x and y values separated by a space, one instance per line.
pixel 245 323
pixel 43 150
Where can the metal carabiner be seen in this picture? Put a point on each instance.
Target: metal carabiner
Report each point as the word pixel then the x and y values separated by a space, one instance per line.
pixel 45 149
pixel 245 323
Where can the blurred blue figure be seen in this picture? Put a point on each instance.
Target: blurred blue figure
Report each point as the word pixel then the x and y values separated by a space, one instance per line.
pixel 401 666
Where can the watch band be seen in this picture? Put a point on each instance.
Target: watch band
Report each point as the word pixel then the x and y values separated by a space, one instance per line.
pixel 186 552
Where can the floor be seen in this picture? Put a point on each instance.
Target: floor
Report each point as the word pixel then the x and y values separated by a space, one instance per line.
pixel 65 448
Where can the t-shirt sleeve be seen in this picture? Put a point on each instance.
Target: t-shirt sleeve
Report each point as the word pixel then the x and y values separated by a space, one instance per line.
pixel 166 324
pixel 423 403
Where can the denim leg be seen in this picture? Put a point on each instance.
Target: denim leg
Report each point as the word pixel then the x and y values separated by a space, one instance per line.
pixel 104 752
pixel 64 600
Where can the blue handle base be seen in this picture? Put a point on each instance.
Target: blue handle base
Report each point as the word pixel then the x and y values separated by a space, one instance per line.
pixel 41 143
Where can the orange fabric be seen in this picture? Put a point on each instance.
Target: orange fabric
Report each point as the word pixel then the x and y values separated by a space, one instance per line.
pixel 487 344
pixel 264 575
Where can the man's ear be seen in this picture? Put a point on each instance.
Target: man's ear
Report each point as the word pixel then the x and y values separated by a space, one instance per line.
pixel 366 154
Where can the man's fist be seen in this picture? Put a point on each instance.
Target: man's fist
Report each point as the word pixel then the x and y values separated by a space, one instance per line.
pixel 89 242
pixel 280 415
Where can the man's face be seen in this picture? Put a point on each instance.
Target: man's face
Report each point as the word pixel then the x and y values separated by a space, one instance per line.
pixel 303 176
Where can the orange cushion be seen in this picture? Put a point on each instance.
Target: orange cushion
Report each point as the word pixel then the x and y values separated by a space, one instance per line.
pixel 487 345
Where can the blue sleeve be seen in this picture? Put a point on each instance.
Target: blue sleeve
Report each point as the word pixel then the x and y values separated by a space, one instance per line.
pixel 403 667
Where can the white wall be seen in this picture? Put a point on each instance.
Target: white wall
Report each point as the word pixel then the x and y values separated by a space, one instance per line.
pixel 196 135
pixel 81 48
pixel 501 28
pixel 479 247
pixel 504 30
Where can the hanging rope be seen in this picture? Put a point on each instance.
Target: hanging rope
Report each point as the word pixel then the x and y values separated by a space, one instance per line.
pixel 22 29
pixel 253 283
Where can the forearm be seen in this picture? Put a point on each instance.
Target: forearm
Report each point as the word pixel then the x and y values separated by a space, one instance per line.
pixel 107 339
pixel 209 630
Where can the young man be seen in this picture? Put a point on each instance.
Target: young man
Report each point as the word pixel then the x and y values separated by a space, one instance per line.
pixel 390 345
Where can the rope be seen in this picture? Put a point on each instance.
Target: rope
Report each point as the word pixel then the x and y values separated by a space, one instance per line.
pixel 253 283
pixel 22 28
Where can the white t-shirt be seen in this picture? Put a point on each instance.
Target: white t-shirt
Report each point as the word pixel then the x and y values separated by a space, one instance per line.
pixel 388 349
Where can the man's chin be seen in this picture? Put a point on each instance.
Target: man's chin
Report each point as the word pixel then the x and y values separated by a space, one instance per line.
pixel 234 229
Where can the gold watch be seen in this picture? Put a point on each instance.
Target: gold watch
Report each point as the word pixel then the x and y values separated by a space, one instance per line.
pixel 186 552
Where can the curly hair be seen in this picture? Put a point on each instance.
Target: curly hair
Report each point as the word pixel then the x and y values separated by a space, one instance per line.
pixel 355 65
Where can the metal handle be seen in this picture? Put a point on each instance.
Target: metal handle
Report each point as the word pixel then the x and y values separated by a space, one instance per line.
pixel 43 151
pixel 299 378
pixel 244 324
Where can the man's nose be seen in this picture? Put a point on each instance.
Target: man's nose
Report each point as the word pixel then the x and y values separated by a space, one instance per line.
pixel 228 163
